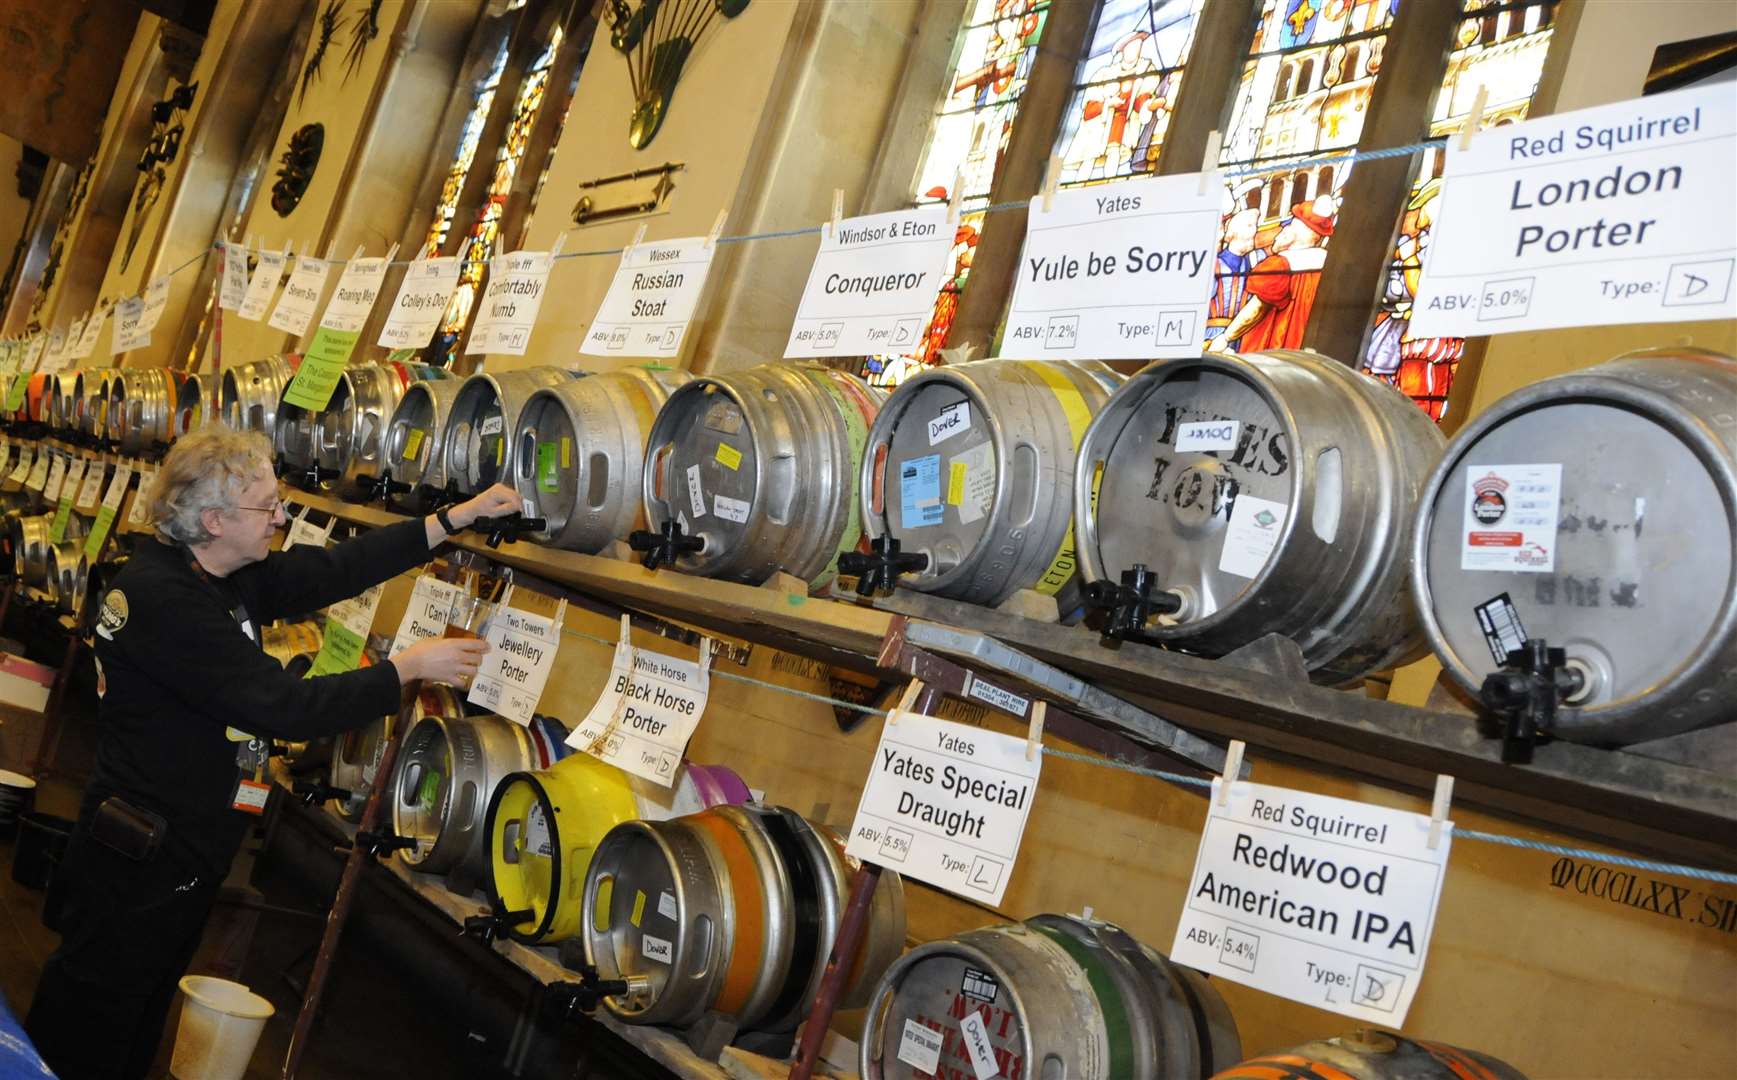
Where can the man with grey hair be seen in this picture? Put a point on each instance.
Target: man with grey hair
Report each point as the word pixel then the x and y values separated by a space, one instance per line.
pixel 188 702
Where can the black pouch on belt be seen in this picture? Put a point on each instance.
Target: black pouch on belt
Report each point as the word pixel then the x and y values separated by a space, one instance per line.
pixel 125 828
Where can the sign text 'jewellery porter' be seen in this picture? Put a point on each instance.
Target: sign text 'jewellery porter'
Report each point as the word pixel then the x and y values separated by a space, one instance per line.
pixel 873 284
pixel 947 804
pixel 1320 900
pixel 521 654
pixel 1118 271
pixel 1617 214
pixel 652 299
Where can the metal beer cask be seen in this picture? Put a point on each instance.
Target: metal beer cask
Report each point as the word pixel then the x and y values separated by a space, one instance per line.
pixel 760 468
pixel 1059 995
pixel 478 441
pixel 194 404
pixel 416 434
pixel 248 396
pixel 62 413
pixel 341 441
pixel 581 454
pixel 1296 524
pixel 141 408
pixel 972 465
pixel 1372 1055
pixel 447 770
pixel 356 753
pixel 1641 589
pixel 733 911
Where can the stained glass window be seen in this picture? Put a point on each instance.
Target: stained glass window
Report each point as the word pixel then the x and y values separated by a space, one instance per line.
pixel 1501 47
pixel 466 154
pixel 996 49
pixel 486 227
pixel 1126 89
pixel 1304 92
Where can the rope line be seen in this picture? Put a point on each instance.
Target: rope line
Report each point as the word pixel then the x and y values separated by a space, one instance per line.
pixel 1120 765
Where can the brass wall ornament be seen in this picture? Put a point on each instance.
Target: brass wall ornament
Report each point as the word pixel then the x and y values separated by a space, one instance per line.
pixel 587 212
pixel 331 18
pixel 296 168
pixel 160 152
pixel 656 38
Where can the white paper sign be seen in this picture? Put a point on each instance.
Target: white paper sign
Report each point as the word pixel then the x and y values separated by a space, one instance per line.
pixel 92 488
pixel 234 283
pixel 521 655
pixel 141 502
pixel 510 303
pixel 1118 271
pixel 357 613
pixel 420 304
pixel 301 296
pixel 56 477
pixel 426 613
pixel 130 332
pixel 70 483
pixel 53 354
pixel 954 419
pixel 1254 530
pixel 978 1047
pixel 1320 900
pixel 358 288
pixel 1621 213
pixel 947 804
pixel 646 714
pixel 93 328
pixel 873 284
pixel 263 285
pixel 1510 517
pixel 26 464
pixel 920 1046
pixel 118 487
pixel 652 299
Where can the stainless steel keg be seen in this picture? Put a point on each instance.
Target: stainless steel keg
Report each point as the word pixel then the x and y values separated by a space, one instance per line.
pixel 90 404
pixel 580 454
pixel 447 769
pixel 757 470
pixel 1596 511
pixel 344 439
pixel 62 408
pixel 356 753
pixel 478 441
pixel 141 408
pixel 416 434
pixel 972 466
pixel 194 407
pixel 1266 493
pixel 248 395
pixel 68 575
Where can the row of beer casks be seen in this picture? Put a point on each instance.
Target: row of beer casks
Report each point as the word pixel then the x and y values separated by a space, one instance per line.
pixel 1246 495
pixel 137 410
pixel 55 570
pixel 731 907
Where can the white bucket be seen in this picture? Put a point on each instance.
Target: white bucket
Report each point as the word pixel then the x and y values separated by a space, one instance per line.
pixel 220 1025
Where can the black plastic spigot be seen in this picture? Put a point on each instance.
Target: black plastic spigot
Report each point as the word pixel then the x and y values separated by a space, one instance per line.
pixel 1129 604
pixel 562 999
pixel 382 844
pixel 1524 695
pixel 316 791
pixel 382 488
pixel 879 572
pixel 485 928
pixel 433 498
pixel 507 527
pixel 310 478
pixel 664 546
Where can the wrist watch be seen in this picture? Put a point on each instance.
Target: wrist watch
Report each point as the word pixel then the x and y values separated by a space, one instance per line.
pixel 446 522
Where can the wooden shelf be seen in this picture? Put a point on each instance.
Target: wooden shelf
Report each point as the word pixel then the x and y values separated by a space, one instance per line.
pixel 1629 800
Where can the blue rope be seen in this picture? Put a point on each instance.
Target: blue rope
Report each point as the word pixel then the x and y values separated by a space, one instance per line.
pixel 1184 780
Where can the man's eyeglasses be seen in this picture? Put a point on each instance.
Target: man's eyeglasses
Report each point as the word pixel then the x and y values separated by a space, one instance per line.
pixel 275 507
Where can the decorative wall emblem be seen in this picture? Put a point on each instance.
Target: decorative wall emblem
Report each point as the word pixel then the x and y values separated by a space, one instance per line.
pixel 167 131
pixel 330 20
pixel 296 167
pixel 656 39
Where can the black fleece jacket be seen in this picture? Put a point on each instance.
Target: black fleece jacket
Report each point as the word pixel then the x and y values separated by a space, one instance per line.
pixel 179 656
